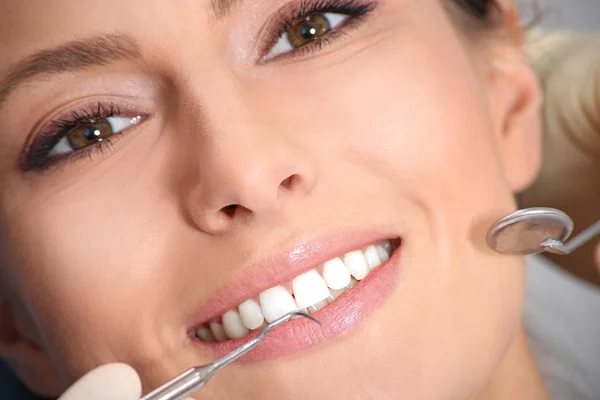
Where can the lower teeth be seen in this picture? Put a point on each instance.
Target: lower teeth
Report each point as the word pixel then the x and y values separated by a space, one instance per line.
pixel 316 307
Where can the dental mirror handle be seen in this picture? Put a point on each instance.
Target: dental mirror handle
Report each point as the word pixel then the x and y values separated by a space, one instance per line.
pixel 557 247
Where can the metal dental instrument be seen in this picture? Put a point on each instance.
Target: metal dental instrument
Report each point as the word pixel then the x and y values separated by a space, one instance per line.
pixel 194 379
pixel 536 230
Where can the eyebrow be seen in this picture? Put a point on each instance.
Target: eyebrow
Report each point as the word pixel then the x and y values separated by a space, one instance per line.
pixel 81 54
pixel 223 7
pixel 73 56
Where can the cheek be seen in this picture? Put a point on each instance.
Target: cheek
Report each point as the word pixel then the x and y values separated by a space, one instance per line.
pixel 88 269
pixel 412 118
pixel 416 132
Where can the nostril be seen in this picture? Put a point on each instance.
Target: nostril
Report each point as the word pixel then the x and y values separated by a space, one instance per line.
pixel 230 210
pixel 289 182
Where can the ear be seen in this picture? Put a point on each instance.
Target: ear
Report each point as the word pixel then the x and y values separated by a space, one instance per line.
pixel 24 355
pixel 516 99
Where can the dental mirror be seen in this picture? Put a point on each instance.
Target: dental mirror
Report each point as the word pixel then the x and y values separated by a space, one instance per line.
pixel 530 231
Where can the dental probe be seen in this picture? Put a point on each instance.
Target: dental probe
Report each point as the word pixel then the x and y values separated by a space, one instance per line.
pixel 194 379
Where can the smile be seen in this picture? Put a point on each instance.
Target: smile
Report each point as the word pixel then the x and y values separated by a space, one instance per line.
pixel 311 291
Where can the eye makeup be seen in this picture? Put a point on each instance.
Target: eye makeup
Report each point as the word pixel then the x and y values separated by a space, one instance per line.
pixel 294 14
pixel 87 130
pixel 40 153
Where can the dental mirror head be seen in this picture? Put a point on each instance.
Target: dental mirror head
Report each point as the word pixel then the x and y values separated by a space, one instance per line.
pixel 530 231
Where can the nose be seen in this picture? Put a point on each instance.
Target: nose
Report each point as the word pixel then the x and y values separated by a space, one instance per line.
pixel 246 174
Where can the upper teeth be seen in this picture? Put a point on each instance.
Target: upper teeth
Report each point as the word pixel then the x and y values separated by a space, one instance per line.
pixel 310 291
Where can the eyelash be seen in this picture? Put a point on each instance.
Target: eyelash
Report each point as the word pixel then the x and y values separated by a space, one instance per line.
pixel 288 18
pixel 36 156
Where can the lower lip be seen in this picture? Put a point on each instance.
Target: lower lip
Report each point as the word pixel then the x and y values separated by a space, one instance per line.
pixel 337 319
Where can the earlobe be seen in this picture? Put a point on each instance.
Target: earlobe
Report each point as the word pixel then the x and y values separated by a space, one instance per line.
pixel 25 357
pixel 518 121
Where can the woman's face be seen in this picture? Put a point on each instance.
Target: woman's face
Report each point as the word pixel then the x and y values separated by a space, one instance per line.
pixel 231 163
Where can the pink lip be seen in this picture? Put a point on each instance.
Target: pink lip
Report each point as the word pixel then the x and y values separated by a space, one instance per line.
pixel 337 318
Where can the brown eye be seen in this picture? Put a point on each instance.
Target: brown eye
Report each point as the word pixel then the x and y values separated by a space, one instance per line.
pixel 309 29
pixel 306 31
pixel 87 134
pixel 90 132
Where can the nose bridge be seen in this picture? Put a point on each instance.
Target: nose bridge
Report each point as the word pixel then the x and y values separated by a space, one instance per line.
pixel 244 163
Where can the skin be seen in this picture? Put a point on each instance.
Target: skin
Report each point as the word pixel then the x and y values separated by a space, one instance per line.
pixel 104 258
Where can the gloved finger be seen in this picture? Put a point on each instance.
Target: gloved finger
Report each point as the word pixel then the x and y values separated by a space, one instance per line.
pixel 108 382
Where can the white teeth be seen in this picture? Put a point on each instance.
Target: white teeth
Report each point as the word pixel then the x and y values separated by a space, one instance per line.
pixel 384 251
pixel 317 306
pixel 251 314
pixel 311 292
pixel 276 302
pixel 233 325
pixel 387 246
pixel 204 333
pixel 309 289
pixel 356 263
pixel 336 274
pixel 217 331
pixel 372 256
pixel 335 293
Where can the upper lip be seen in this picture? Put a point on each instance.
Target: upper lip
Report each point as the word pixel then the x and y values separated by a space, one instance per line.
pixel 280 268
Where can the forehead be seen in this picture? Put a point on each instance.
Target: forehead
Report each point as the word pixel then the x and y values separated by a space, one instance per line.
pixel 30 25
pixel 26 26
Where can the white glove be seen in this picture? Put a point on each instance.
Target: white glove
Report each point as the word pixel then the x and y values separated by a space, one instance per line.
pixel 108 382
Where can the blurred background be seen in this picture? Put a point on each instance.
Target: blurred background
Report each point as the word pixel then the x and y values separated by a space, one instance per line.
pixel 581 15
